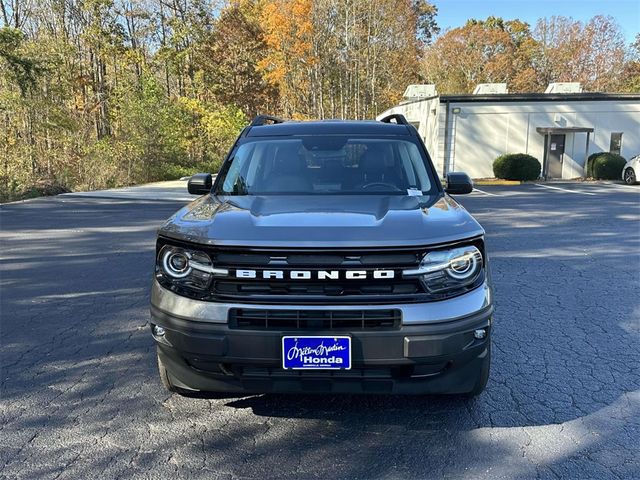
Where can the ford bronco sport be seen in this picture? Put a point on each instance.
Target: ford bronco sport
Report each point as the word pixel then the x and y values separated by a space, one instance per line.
pixel 325 257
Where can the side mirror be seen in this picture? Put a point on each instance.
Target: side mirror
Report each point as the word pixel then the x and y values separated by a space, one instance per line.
pixel 200 184
pixel 458 183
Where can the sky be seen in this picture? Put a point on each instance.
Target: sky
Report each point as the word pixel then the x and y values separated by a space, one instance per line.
pixel 454 13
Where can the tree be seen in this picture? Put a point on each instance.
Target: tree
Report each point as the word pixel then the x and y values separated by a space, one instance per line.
pixel 15 13
pixel 22 69
pixel 343 58
pixel 288 34
pixel 17 68
pixel 558 50
pixel 425 17
pixel 491 50
pixel 229 58
pixel 101 93
pixel 631 73
pixel 571 51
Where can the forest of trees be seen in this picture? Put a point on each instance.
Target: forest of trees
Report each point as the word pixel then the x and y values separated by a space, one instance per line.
pixel 556 49
pixel 102 93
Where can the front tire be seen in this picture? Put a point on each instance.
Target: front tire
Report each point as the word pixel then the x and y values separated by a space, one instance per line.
pixel 630 176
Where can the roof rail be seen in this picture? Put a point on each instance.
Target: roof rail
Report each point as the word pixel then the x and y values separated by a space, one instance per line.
pixel 398 117
pixel 263 119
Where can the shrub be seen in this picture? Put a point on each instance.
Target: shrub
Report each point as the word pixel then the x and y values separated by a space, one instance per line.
pixel 590 160
pixel 516 166
pixel 607 166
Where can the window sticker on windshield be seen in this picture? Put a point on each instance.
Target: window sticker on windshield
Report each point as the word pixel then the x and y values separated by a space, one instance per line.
pixel 413 192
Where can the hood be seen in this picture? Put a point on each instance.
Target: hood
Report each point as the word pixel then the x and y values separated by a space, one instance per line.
pixel 322 221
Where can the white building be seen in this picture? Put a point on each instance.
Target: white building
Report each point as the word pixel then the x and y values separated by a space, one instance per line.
pixel 467 132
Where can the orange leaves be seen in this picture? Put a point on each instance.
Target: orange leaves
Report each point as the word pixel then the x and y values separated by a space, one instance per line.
pixel 482 51
pixel 342 58
pixel 288 27
pixel 288 33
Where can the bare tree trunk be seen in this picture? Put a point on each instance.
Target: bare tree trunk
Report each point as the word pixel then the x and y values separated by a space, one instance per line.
pixel 31 142
pixel 163 42
pixel 5 15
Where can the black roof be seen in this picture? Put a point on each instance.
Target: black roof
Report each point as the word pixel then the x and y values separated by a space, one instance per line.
pixel 329 127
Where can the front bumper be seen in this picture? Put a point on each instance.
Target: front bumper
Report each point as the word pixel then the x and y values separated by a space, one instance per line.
pixel 436 355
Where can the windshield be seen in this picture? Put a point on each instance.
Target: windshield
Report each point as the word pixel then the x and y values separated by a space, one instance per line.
pixel 329 165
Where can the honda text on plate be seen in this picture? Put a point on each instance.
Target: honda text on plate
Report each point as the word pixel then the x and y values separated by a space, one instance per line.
pixel 325 257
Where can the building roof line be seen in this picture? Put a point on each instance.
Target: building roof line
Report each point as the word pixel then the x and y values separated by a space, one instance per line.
pixel 528 97
pixel 541 97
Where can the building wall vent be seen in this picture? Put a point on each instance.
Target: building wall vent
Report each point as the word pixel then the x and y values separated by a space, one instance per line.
pixel 414 92
pixel 490 89
pixel 564 87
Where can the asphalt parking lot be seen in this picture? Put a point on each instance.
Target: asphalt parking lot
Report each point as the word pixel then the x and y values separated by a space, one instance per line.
pixel 80 397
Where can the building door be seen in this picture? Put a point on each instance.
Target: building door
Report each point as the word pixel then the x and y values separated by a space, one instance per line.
pixel 554 156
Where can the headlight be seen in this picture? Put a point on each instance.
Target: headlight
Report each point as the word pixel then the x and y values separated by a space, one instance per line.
pixel 185 268
pixel 175 262
pixel 447 270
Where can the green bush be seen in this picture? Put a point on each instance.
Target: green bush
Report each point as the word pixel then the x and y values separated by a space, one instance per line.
pixel 590 160
pixel 606 166
pixel 516 166
pixel 168 171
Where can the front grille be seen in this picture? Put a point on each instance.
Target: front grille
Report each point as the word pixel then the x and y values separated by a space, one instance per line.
pixel 333 289
pixel 313 289
pixel 263 319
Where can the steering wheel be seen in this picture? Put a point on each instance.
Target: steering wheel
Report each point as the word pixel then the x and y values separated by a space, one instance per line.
pixel 390 186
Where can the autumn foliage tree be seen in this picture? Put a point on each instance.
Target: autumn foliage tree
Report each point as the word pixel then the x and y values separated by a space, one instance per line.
pixel 480 52
pixel 591 53
pixel 229 58
pixel 288 34
pixel 558 49
pixel 340 58
pixel 631 73
pixel 101 93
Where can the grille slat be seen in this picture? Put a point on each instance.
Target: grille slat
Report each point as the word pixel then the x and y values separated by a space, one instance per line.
pixel 263 319
pixel 234 287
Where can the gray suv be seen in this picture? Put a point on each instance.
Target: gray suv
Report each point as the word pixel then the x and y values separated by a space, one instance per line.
pixel 325 257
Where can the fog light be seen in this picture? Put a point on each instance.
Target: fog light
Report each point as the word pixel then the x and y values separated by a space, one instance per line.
pixel 158 331
pixel 480 333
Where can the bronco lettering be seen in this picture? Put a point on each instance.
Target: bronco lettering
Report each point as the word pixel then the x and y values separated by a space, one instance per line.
pixel 316 274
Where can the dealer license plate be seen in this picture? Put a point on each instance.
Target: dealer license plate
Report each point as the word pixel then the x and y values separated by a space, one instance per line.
pixel 316 353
